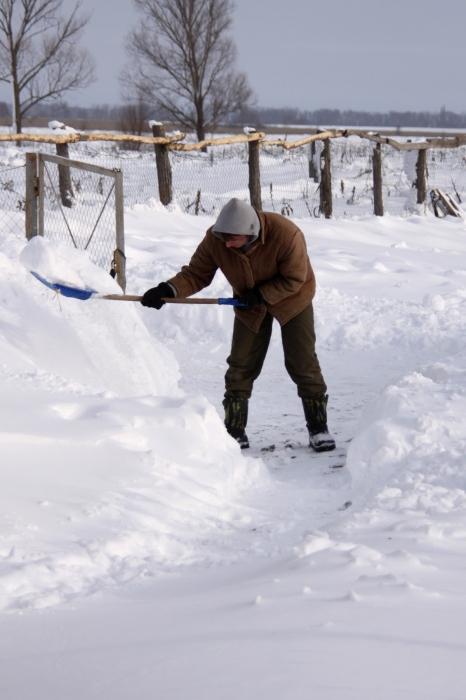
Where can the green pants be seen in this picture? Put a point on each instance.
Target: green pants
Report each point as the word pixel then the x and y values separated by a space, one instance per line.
pixel 248 351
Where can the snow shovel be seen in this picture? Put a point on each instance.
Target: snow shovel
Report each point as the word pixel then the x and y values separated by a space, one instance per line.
pixel 84 294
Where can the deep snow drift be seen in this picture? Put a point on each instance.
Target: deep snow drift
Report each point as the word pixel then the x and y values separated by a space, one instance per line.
pixel 224 574
pixel 108 470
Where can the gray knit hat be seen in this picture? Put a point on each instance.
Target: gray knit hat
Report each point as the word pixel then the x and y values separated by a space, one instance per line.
pixel 239 218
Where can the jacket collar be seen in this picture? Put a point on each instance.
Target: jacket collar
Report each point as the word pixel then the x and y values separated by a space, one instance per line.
pixel 263 223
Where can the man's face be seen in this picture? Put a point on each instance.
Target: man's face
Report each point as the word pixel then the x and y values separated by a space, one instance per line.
pixel 233 240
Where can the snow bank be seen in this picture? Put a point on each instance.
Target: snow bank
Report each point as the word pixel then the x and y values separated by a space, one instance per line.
pixel 411 453
pixel 108 471
pixel 102 344
pixel 364 323
pixel 98 492
pixel 401 542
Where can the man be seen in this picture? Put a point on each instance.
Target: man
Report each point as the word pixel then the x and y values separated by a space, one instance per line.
pixel 264 257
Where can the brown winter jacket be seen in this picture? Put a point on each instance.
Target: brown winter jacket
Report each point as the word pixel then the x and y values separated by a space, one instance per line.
pixel 277 263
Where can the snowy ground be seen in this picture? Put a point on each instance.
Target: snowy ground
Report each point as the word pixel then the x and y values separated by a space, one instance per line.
pixel 143 555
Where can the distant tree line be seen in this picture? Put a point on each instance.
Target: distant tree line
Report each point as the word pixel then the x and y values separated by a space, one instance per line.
pixel 64 111
pixel 132 118
pixel 261 116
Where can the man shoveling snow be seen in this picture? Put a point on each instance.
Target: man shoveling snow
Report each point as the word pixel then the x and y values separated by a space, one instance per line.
pixel 263 255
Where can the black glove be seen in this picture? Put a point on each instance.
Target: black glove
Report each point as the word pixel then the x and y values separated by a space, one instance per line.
pixel 153 297
pixel 251 298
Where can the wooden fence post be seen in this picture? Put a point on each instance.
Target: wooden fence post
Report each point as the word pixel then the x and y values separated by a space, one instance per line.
pixel 326 205
pixel 64 177
pixel 421 176
pixel 377 175
pixel 64 173
pixel 164 171
pixel 313 160
pixel 32 192
pixel 254 175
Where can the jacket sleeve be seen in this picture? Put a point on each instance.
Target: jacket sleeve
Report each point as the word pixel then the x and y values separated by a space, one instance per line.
pixel 294 269
pixel 198 274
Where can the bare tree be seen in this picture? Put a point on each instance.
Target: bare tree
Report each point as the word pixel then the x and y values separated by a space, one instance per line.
pixel 38 52
pixel 183 60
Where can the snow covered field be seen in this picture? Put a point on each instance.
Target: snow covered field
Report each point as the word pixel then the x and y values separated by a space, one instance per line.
pixel 143 555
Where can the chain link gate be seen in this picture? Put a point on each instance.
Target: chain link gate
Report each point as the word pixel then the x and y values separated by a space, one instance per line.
pixel 82 203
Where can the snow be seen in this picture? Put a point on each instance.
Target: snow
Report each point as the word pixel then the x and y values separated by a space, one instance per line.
pixel 59 263
pixel 143 554
pixel 60 126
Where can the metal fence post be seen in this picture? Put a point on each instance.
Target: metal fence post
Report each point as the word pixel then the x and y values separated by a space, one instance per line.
pixel 32 191
pixel 119 259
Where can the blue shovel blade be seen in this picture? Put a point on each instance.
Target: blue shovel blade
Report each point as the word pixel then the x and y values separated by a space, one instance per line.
pixel 64 289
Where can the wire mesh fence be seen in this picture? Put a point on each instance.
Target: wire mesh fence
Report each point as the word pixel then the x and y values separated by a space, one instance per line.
pixel 288 188
pixel 447 170
pixel 85 216
pixel 204 181
pixel 12 196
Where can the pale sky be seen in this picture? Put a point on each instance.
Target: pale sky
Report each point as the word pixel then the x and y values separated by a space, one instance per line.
pixel 347 54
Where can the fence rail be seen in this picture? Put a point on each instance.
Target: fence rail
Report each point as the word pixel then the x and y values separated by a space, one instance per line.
pixel 321 174
pixel 173 141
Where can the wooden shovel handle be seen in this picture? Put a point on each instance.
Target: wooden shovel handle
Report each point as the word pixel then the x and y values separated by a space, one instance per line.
pixel 168 300
pixel 184 300
pixel 121 297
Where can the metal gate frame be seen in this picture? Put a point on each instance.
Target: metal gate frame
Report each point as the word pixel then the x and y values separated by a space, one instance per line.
pixel 35 189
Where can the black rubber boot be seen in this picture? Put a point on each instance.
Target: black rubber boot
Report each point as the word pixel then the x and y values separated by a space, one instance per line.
pixel 315 412
pixel 236 418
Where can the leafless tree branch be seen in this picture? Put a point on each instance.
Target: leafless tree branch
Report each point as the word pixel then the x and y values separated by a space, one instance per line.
pixel 39 55
pixel 182 60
